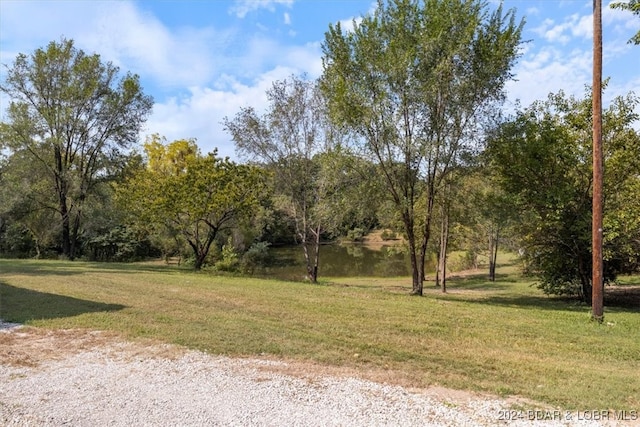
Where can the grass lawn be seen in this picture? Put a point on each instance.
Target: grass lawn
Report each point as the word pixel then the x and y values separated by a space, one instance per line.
pixel 504 337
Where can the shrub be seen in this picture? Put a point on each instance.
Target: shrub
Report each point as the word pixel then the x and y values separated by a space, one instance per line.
pixel 355 235
pixel 388 235
pixel 229 260
pixel 256 256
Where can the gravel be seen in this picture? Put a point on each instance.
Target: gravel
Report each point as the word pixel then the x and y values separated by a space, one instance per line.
pixel 131 384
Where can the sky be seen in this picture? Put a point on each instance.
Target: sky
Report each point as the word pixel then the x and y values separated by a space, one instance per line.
pixel 204 60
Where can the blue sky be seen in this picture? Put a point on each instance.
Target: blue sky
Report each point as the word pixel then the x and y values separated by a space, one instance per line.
pixel 203 60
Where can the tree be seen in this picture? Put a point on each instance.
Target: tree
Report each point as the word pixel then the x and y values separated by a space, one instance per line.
pixel 632 6
pixel 22 193
pixel 190 195
pixel 286 138
pixel 74 117
pixel 488 216
pixel 413 81
pixel 543 159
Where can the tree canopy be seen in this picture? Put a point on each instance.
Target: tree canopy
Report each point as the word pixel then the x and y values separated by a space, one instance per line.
pixel 632 6
pixel 72 117
pixel 543 159
pixel 286 138
pixel 190 195
pixel 411 81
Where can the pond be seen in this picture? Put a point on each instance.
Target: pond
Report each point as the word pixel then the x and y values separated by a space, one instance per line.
pixel 340 261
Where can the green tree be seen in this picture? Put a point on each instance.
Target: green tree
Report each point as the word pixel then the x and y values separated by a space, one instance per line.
pixel 543 159
pixel 413 81
pixel 189 195
pixel 632 6
pixel 74 117
pixel 286 138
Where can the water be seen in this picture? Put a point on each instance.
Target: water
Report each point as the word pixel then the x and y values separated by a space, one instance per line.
pixel 351 260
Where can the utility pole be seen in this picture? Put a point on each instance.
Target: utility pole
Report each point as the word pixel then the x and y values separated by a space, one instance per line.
pixel 597 279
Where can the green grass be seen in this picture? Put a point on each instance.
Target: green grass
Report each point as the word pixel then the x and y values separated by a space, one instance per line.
pixel 503 337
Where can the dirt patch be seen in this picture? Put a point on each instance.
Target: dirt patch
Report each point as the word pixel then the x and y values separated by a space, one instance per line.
pixel 375 240
pixel 30 347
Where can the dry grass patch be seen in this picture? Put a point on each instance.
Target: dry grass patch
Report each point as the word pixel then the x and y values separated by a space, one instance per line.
pixel 30 347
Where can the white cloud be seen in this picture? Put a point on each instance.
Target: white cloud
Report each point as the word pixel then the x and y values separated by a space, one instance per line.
pixel 211 73
pixel 533 11
pixel 119 32
pixel 349 25
pixel 287 18
pixel 581 26
pixel 200 114
pixel 242 7
pixel 179 58
pixel 548 71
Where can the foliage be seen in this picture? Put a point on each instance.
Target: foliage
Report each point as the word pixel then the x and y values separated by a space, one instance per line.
pixel 632 6
pixel 256 256
pixel 70 120
pixel 356 234
pixel 229 260
pixel 286 139
pixel 185 194
pixel 543 157
pixel 411 81
pixel 15 240
pixel 485 217
pixel 388 235
pixel 119 244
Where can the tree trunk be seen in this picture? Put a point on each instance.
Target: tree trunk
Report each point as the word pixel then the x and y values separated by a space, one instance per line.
pixel 311 275
pixel 74 235
pixel 316 257
pixel 441 277
pixel 416 288
pixel 61 187
pixel 426 232
pixel 66 229
pixel 586 289
pixel 493 254
pixel 199 261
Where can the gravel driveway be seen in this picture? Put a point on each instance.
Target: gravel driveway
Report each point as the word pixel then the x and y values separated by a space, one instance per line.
pixel 71 378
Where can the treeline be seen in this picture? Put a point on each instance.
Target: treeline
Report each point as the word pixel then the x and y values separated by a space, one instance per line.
pixel 403 131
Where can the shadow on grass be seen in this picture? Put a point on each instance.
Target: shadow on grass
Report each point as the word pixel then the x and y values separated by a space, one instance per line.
pixel 556 303
pixel 623 297
pixel 530 302
pixel 69 268
pixel 478 282
pixel 22 305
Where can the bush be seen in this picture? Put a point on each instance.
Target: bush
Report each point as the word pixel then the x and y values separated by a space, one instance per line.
pixel 355 235
pixel 120 244
pixel 229 260
pixel 388 235
pixel 256 256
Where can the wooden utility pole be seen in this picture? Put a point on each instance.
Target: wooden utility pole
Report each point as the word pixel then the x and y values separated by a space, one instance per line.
pixel 597 279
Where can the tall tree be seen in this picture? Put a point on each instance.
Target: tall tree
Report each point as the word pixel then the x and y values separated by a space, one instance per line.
pixel 543 157
pixel 190 195
pixel 286 138
pixel 412 81
pixel 73 115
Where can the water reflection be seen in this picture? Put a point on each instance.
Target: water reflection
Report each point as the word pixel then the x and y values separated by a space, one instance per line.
pixel 341 260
